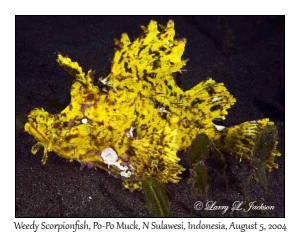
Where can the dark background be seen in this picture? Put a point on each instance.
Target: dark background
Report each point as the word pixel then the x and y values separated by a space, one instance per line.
pixel 244 52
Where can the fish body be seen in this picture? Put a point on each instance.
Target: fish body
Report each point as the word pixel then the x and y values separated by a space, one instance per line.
pixel 135 122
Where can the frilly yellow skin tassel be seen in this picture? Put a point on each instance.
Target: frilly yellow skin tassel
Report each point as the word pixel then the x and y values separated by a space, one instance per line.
pixel 136 122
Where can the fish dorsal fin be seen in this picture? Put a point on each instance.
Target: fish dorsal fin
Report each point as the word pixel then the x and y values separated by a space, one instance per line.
pixel 151 59
pixel 153 53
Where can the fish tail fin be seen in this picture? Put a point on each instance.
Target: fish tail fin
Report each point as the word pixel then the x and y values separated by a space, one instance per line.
pixel 251 140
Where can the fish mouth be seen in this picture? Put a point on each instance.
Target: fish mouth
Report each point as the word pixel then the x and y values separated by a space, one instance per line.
pixel 36 133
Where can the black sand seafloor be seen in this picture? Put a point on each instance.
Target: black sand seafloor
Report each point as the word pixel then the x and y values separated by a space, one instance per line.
pixel 244 52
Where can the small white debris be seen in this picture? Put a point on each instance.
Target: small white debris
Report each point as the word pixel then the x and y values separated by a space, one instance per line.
pixel 131 131
pixel 84 121
pixel 253 122
pixel 125 174
pixel 219 127
pixel 216 99
pixel 103 81
pixel 129 134
pixel 110 158
pixel 104 89
pixel 90 198
pixel 163 110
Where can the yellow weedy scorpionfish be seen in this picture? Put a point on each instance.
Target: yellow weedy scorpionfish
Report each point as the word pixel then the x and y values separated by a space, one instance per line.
pixel 135 122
